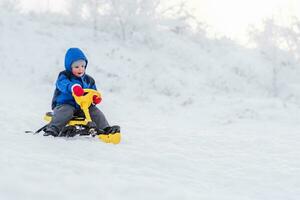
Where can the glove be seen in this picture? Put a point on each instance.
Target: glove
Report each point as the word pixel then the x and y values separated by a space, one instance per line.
pixel 78 91
pixel 96 99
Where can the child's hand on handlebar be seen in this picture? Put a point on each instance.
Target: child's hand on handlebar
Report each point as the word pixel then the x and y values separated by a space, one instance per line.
pixel 96 99
pixel 77 90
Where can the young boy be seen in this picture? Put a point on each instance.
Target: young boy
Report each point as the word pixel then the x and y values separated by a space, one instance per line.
pixel 73 79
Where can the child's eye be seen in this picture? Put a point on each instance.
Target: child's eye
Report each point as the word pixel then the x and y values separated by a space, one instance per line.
pixel 80 66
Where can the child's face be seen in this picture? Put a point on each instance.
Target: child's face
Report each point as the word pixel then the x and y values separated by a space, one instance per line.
pixel 78 70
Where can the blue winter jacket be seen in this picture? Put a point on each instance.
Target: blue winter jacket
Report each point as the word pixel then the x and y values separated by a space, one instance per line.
pixel 66 79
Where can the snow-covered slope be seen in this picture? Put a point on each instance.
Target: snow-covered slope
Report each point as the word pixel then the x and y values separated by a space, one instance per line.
pixel 197 116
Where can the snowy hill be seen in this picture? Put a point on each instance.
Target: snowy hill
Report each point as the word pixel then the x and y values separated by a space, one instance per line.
pixel 198 116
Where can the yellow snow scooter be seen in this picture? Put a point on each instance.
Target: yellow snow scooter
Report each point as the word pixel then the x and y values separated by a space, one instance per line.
pixel 84 126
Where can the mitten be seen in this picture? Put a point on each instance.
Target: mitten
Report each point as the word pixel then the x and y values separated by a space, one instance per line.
pixel 78 91
pixel 96 99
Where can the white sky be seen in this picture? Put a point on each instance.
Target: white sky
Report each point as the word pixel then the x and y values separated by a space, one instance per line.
pixel 232 17
pixel 228 17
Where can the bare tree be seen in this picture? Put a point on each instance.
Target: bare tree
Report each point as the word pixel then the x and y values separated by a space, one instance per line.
pixel 277 44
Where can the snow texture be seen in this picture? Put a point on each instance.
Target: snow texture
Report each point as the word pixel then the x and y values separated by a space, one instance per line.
pixel 198 117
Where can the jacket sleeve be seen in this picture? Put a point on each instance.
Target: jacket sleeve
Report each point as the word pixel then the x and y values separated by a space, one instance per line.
pixel 63 84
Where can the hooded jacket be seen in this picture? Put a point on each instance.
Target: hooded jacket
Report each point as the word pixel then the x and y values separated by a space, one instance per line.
pixel 66 80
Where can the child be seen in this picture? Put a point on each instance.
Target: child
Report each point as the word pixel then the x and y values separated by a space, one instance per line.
pixel 73 79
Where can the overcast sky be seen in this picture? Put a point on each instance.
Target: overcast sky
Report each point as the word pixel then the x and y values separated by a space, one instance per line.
pixel 232 17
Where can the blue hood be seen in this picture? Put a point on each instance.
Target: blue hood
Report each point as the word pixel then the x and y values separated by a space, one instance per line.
pixel 72 55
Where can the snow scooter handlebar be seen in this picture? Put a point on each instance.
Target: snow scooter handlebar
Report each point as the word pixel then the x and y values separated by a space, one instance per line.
pixel 86 100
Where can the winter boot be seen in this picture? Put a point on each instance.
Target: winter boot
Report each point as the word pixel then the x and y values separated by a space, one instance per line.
pixel 111 135
pixel 51 131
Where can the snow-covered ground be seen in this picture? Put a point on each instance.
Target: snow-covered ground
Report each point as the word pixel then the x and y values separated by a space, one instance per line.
pixel 198 119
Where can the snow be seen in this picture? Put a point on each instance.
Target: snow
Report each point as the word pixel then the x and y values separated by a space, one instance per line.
pixel 198 118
